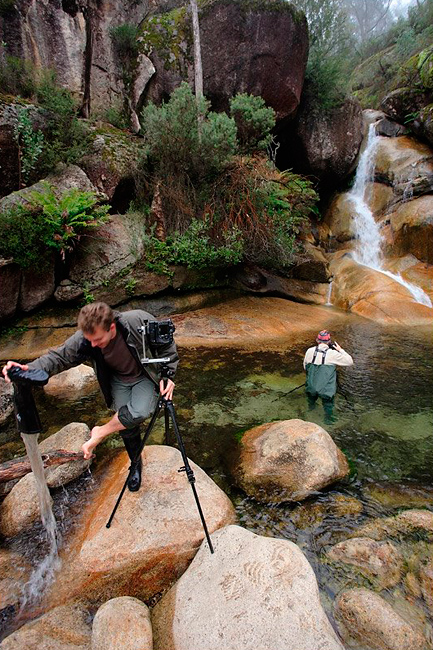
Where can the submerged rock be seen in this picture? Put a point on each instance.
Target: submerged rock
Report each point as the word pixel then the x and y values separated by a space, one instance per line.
pixel 367 619
pixel 288 461
pixel 63 628
pixel 153 537
pixel 252 593
pixel 122 624
pixel 378 561
pixel 410 523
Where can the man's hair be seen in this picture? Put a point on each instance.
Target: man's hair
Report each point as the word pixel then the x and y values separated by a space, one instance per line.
pixel 96 314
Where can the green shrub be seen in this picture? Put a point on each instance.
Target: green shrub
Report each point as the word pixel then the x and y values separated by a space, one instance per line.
pixel 125 41
pixel 65 135
pixel 254 122
pixel 23 236
pixel 17 76
pixel 30 144
pixel 174 143
pixel 68 215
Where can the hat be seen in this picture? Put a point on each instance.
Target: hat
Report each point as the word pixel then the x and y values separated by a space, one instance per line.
pixel 323 337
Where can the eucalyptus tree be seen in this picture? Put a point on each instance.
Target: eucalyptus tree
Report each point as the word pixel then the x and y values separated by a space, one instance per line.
pixel 369 17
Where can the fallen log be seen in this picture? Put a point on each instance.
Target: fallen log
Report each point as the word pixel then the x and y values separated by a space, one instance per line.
pixel 18 467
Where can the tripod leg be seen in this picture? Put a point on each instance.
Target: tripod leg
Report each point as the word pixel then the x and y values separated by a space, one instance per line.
pixel 187 469
pixel 136 459
pixel 167 427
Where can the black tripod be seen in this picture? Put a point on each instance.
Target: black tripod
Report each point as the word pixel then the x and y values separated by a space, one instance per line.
pixel 169 413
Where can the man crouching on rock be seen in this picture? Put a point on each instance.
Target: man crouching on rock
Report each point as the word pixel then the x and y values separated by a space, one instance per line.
pixel 114 345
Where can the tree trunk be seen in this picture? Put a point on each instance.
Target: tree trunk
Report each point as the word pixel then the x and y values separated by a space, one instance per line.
pixel 198 68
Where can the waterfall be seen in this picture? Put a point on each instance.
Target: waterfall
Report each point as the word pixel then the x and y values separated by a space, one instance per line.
pixel 328 302
pixel 369 247
pixel 44 572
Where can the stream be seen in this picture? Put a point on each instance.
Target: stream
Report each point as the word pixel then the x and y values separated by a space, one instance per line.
pixel 384 426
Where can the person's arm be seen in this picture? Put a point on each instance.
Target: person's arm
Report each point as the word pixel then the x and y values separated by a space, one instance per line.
pixel 338 356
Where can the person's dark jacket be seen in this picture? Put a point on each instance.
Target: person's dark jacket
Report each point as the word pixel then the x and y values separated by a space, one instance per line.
pixel 77 349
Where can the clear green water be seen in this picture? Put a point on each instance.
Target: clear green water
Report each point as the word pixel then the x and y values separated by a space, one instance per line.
pixel 384 426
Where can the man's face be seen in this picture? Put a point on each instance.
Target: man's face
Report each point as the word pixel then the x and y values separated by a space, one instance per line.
pixel 100 337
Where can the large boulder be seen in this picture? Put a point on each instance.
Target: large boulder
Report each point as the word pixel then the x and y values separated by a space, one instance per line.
pixel 155 532
pixel 324 145
pixel 259 280
pixel 110 163
pixel 103 255
pixel 8 149
pixel 265 52
pixel 403 162
pixel 10 281
pixel 288 461
pixel 122 624
pixel 365 618
pixel 254 592
pixel 63 628
pixel 72 384
pixel 6 400
pixel 411 227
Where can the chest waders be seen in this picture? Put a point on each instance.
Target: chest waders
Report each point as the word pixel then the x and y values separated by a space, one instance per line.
pixel 321 378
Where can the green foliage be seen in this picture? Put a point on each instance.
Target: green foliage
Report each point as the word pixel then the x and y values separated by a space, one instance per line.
pixel 194 248
pixel 116 116
pixel 23 236
pixel 254 122
pixel 65 136
pixel 6 6
pixel 330 43
pixel 88 296
pixel 30 144
pixel 125 41
pixel 68 215
pixel 176 145
pixel 17 76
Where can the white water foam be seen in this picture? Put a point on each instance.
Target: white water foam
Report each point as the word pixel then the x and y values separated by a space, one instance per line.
pixel 369 249
pixel 44 573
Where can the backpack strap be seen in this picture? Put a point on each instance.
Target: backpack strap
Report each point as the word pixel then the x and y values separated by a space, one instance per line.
pixel 322 352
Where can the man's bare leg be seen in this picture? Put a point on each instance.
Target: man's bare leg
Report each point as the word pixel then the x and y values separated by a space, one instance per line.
pixel 98 434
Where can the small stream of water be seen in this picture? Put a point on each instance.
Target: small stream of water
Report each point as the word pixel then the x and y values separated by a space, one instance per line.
pixel 369 248
pixel 44 572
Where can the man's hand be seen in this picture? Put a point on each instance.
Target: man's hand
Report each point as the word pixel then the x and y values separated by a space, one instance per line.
pixel 9 365
pixel 167 390
pixel 337 347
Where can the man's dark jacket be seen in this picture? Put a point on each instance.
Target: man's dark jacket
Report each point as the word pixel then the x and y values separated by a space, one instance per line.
pixel 77 349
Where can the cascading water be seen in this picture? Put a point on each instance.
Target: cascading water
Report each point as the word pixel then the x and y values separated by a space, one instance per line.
pixel 369 249
pixel 44 572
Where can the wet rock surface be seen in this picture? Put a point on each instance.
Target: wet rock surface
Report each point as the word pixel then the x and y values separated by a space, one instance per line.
pixel 20 508
pixel 257 589
pixel 379 561
pixel 366 618
pixel 288 461
pixel 63 628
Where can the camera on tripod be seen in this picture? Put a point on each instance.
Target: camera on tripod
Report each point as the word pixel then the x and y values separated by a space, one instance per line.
pixel 159 333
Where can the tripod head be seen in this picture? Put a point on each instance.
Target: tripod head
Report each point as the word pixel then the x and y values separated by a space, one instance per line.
pixel 160 334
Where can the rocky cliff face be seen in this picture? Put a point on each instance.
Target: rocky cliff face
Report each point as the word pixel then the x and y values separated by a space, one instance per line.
pixel 265 49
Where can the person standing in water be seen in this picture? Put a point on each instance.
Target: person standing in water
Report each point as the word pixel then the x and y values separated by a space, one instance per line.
pixel 320 363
